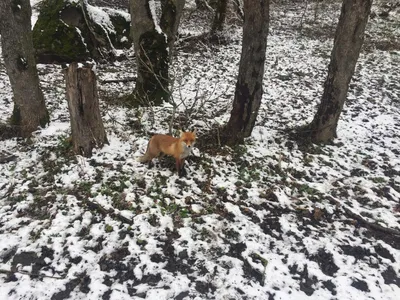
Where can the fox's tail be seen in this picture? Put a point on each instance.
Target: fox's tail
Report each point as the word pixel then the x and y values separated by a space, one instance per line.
pixel 145 157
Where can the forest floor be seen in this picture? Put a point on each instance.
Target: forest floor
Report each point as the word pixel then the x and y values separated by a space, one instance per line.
pixel 270 219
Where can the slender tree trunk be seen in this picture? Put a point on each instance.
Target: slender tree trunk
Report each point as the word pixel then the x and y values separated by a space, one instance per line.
pixel 16 39
pixel 86 124
pixel 248 92
pixel 151 55
pixel 220 16
pixel 170 19
pixel 200 5
pixel 349 38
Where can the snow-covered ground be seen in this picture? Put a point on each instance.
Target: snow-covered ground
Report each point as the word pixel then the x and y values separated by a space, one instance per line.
pixel 267 220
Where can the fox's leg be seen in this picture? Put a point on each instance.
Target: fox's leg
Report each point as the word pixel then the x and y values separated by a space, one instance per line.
pixel 180 163
pixel 150 156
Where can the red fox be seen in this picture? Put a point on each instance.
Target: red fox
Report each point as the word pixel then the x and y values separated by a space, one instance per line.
pixel 179 148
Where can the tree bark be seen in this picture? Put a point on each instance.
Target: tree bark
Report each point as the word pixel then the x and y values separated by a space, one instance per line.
pixel 151 55
pixel 86 124
pixel 219 16
pixel 248 92
pixel 16 39
pixel 170 19
pixel 349 38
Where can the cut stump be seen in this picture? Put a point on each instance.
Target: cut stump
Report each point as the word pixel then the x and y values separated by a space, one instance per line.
pixel 86 124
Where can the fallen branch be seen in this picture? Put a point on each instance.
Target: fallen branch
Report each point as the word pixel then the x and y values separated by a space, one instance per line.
pixel 128 79
pixel 11 272
pixel 362 221
pixel 8 158
pixel 110 212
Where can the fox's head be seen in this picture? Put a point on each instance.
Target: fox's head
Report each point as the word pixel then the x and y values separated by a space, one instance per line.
pixel 188 138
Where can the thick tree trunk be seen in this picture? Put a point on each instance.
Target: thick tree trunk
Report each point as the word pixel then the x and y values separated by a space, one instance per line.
pixel 16 39
pixel 170 19
pixel 151 55
pixel 83 104
pixel 249 90
pixel 349 38
pixel 220 16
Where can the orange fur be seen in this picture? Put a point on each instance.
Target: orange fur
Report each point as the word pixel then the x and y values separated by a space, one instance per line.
pixel 179 148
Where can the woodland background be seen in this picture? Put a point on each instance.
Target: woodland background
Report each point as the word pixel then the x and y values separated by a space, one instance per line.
pixel 266 210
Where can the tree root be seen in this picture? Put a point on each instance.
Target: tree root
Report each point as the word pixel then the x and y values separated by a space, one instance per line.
pixel 9 131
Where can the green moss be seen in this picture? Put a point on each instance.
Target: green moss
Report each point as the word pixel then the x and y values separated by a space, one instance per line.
pixel 61 33
pixel 51 36
pixel 108 228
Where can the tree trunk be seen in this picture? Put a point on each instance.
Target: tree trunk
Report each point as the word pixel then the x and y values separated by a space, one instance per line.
pixel 200 4
pixel 170 19
pixel 220 16
pixel 83 104
pixel 248 92
pixel 151 55
pixel 16 39
pixel 349 38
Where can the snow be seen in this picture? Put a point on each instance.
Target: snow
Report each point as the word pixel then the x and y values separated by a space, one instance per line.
pixel 99 16
pixel 35 13
pixel 153 10
pixel 244 223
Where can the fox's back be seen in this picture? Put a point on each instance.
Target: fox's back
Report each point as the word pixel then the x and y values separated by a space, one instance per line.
pixel 164 143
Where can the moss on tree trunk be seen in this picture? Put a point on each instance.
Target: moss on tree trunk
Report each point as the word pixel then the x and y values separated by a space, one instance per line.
pixel 152 81
pixel 152 84
pixel 67 31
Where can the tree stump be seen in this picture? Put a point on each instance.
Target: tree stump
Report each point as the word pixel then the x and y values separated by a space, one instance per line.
pixel 86 124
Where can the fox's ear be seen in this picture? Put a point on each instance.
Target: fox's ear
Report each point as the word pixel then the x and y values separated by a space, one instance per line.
pixel 180 132
pixel 195 131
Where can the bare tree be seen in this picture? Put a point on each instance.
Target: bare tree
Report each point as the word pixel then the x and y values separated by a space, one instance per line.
pixel 16 39
pixel 349 38
pixel 248 92
pixel 219 16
